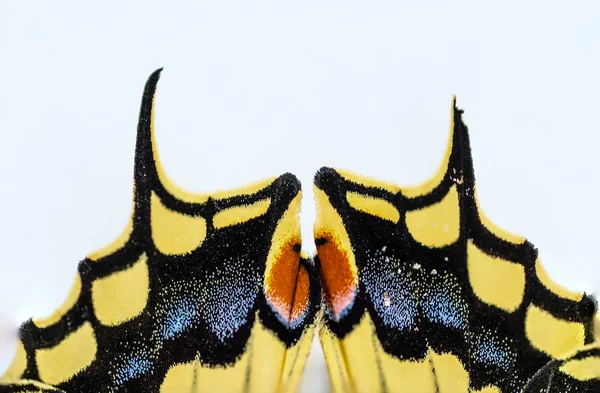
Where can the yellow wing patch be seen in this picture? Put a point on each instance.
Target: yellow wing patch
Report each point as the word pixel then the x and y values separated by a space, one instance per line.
pixel 175 233
pixel 239 214
pixel 374 206
pixel 585 369
pixel 64 308
pixel 121 296
pixel 437 225
pixel 542 329
pixel 495 281
pixel 71 356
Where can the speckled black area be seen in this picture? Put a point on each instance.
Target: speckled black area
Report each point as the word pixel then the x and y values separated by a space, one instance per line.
pixel 420 297
pixel 201 305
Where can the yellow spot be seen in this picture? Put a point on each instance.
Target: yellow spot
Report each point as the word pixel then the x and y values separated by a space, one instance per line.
pixel 116 245
pixel 175 233
pixel 494 280
pixel 121 296
pixel 429 185
pixel 551 335
pixel 496 230
pixel 374 206
pixel 238 214
pixel 450 373
pixel 71 356
pixel 488 389
pixel 18 365
pixel 437 225
pixel 584 369
pixel 64 308
pixel 367 181
pixel 553 287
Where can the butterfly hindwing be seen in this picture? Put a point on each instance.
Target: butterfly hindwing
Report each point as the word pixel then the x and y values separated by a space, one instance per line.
pixel 425 294
pixel 201 293
pixel 211 292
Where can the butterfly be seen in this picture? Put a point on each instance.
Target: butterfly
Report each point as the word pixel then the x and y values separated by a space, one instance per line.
pixel 411 290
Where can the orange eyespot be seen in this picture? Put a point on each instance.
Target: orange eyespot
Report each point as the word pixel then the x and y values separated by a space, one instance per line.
pixel 301 294
pixel 287 285
pixel 339 282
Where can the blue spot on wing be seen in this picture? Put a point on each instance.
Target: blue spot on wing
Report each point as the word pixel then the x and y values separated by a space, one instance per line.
pixel 133 368
pixel 404 292
pixel 392 295
pixel 443 301
pixel 490 347
pixel 180 316
pixel 222 302
pixel 226 312
pixel 229 297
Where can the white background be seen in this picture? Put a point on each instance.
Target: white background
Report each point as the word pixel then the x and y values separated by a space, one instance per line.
pixel 258 88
